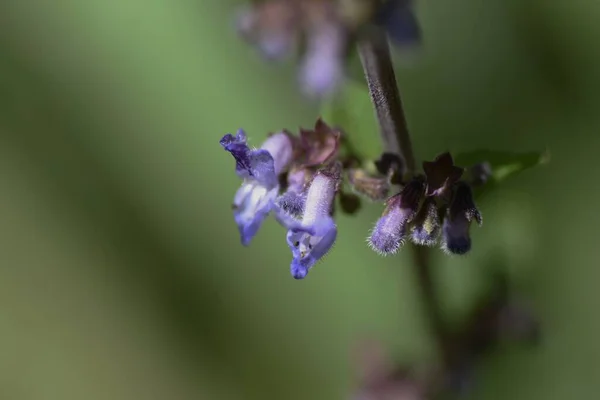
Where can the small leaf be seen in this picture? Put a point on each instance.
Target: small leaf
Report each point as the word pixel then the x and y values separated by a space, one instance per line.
pixel 351 110
pixel 503 164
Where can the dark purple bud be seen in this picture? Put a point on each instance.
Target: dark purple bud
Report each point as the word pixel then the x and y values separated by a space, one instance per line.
pixel 462 211
pixel 390 231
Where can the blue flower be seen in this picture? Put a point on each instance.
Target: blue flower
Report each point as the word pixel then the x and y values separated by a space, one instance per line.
pixel 259 168
pixel 312 236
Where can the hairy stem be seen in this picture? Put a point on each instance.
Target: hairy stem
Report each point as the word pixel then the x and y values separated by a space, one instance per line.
pixel 377 64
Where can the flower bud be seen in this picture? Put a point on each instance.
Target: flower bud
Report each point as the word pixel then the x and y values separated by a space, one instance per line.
pixel 462 210
pixel 426 226
pixel 389 232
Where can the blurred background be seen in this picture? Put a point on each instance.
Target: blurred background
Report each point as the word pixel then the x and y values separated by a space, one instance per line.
pixel 121 272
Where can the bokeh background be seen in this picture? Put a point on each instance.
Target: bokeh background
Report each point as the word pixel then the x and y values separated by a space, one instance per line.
pixel 121 273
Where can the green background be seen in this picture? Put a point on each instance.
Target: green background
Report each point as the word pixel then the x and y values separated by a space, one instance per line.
pixel 121 273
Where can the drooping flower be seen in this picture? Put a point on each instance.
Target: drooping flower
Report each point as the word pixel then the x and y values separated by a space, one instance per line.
pixel 312 236
pixel 390 231
pixel 259 169
pixel 460 214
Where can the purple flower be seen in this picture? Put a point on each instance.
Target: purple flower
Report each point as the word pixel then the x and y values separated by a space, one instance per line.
pixel 462 211
pixel 323 66
pixel 259 169
pixel 389 232
pixel 312 236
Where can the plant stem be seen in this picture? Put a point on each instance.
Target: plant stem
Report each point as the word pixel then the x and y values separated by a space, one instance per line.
pixel 381 79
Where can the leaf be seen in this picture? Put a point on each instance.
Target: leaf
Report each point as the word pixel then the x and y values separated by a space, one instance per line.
pixel 504 164
pixel 351 111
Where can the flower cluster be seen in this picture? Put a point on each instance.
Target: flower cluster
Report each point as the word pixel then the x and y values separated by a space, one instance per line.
pixel 430 208
pixel 299 177
pixel 323 31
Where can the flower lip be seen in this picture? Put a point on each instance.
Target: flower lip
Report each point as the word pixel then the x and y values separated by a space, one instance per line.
pixel 237 146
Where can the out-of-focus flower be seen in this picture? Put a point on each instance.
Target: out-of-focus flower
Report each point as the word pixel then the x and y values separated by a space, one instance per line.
pixel 399 19
pixel 380 379
pixel 480 173
pixel 322 31
pixel 259 169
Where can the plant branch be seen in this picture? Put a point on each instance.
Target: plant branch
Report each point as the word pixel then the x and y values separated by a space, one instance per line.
pixel 377 64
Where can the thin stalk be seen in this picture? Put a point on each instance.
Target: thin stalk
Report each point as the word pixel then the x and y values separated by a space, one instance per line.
pixel 381 79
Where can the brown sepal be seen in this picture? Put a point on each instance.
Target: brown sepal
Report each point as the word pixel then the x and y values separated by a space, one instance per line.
pixel 441 174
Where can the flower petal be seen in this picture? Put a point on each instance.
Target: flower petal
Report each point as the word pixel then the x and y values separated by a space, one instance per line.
pixel 255 164
pixel 309 244
pixel 252 205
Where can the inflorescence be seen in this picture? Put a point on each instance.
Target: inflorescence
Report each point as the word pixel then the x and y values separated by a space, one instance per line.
pixel 297 178
pixel 323 33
